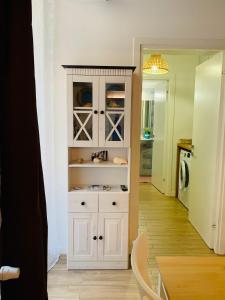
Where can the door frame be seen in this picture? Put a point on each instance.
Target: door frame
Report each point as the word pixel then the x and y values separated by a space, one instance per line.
pixel 179 44
pixel 169 126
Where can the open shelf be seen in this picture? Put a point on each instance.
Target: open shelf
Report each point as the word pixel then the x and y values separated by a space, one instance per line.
pixel 83 108
pixel 115 108
pixel 90 164
pixel 115 95
pixel 85 189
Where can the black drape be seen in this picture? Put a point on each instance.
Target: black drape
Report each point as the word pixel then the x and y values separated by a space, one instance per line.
pixel 24 228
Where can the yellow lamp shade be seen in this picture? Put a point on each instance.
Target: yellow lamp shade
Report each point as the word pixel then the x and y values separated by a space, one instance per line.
pixel 155 65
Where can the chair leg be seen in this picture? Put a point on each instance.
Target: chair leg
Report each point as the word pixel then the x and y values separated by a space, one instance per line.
pixel 161 289
pixel 159 282
pixel 7 273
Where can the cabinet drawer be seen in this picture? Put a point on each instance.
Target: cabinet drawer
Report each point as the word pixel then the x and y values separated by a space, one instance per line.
pixel 86 202
pixel 114 202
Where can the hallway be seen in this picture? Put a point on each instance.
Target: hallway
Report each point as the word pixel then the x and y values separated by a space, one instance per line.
pixel 165 221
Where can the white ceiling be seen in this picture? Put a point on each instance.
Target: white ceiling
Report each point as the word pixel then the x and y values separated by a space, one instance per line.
pixel 180 52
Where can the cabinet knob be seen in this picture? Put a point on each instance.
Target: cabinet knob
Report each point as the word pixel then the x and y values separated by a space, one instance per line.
pixel 101 237
pixel 102 112
pixel 113 203
pixel 95 112
pixel 83 203
pixel 95 238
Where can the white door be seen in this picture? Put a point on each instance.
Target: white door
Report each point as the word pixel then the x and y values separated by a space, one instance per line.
pixel 158 155
pixel 83 242
pixel 114 111
pixel 83 111
pixel 207 101
pixel 113 236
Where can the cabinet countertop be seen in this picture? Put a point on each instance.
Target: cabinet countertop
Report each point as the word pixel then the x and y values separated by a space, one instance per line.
pixel 102 164
pixel 185 146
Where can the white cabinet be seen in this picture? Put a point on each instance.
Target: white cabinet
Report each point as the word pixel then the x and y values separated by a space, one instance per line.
pixel 99 112
pixel 113 228
pixel 114 107
pixel 99 240
pixel 83 98
pixel 113 202
pixel 99 108
pixel 83 236
pixel 84 202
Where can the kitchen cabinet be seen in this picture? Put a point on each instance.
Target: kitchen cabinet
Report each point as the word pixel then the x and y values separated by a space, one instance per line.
pixel 99 109
pixel 99 112
pixel 98 239
pixel 113 227
pixel 82 236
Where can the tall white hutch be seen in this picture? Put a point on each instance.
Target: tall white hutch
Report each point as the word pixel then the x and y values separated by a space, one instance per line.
pixel 99 116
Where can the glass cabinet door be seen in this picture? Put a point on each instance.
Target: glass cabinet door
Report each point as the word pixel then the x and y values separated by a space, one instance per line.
pixel 114 111
pixel 85 111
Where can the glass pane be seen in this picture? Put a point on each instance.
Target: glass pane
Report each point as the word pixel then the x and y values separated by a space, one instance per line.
pixel 115 96
pixel 82 94
pixel 82 123
pixel 147 119
pixel 89 127
pixel 114 126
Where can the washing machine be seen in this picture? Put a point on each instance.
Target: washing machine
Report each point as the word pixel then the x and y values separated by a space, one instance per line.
pixel 184 176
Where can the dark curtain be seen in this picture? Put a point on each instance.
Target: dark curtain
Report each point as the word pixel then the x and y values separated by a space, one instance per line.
pixel 24 227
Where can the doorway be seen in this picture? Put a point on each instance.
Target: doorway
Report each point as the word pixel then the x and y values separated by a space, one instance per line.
pixel 152 140
pixel 181 124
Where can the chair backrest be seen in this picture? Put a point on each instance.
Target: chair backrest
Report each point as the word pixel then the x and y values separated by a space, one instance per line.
pixel 139 263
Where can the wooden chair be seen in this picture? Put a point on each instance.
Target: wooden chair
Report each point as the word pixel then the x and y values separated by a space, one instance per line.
pixel 139 257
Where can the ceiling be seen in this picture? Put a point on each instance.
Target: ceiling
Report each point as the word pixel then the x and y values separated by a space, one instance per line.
pixel 146 52
pixel 179 51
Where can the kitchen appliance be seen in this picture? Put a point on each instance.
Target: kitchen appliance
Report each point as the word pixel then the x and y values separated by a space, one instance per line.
pixel 184 176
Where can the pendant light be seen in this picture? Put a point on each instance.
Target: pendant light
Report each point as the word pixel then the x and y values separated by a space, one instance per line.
pixel 155 64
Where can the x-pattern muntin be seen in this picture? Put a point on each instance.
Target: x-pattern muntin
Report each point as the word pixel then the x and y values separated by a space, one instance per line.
pixel 114 125
pixel 82 125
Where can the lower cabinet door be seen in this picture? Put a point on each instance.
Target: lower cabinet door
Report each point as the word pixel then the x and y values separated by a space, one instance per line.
pixel 83 241
pixel 113 237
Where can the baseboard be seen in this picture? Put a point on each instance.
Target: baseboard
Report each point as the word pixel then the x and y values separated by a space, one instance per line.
pixel 97 265
pixel 171 194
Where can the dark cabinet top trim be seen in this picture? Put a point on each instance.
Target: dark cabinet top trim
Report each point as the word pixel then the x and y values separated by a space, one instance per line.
pixel 98 67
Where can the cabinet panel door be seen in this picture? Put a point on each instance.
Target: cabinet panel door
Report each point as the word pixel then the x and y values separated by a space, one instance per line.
pixel 114 107
pixel 113 228
pixel 83 110
pixel 82 230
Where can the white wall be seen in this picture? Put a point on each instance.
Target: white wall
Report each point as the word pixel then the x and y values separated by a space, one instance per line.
pixel 102 32
pixel 183 67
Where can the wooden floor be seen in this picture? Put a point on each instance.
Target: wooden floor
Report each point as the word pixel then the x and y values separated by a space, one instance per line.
pixel 169 233
pixel 91 284
pixel 165 220
pixel 145 179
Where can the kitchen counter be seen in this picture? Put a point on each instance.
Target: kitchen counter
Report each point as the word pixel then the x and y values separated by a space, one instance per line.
pixel 184 146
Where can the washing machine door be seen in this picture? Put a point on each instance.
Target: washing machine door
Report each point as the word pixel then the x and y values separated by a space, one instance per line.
pixel 183 175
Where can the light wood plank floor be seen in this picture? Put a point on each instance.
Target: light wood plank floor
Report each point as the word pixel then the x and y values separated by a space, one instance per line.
pixel 165 220
pixel 169 233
